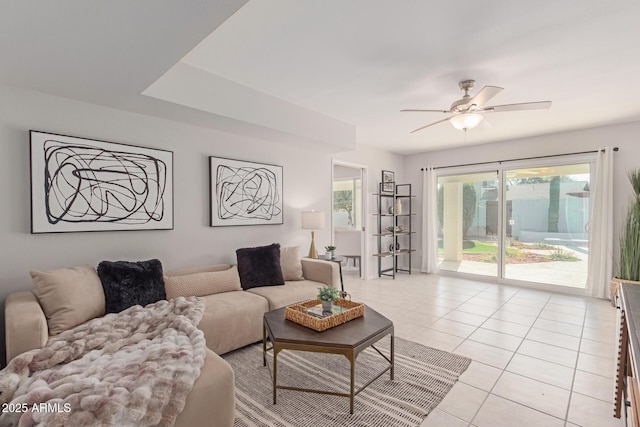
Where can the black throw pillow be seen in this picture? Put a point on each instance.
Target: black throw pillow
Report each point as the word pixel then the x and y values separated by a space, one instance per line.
pixel 127 283
pixel 259 266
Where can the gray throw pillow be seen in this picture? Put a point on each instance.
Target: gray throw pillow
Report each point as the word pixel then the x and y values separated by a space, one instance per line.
pixel 128 283
pixel 259 266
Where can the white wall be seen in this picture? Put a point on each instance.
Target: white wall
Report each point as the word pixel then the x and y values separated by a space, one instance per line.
pixel 307 185
pixel 624 136
pixel 376 161
pixel 192 241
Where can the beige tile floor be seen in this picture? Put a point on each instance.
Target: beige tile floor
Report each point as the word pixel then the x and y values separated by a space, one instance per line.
pixel 539 358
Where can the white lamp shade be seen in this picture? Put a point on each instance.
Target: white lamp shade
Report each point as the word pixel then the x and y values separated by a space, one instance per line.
pixel 466 121
pixel 312 220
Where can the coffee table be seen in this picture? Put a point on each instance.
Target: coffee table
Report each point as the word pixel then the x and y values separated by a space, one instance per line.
pixel 348 339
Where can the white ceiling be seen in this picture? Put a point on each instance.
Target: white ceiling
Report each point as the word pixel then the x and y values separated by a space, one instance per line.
pixel 357 61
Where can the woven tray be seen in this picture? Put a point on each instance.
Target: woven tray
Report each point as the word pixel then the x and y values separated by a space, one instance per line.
pixel 296 313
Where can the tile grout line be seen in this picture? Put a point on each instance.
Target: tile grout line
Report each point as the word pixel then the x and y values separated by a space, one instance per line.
pixel 575 369
pixel 499 376
pixel 466 338
pixel 505 369
pixel 548 301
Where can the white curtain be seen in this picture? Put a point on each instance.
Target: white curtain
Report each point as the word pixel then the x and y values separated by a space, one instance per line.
pixel 601 227
pixel 429 222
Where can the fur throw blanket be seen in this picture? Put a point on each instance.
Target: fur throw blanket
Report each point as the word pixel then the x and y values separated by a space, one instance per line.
pixel 133 368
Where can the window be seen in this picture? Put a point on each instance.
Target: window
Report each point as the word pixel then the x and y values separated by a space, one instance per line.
pixel 527 223
pixel 347 203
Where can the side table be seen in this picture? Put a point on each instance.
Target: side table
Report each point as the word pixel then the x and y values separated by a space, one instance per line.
pixel 338 259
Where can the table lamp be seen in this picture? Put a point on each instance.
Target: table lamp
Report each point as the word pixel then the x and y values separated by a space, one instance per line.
pixel 312 220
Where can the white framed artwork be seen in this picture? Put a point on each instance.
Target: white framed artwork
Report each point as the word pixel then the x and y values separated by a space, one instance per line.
pixel 80 184
pixel 244 193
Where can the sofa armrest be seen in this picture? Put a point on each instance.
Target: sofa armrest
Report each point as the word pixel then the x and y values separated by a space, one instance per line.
pixel 211 401
pixel 327 272
pixel 25 324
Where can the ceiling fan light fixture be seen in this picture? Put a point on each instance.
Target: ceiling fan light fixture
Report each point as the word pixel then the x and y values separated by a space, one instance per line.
pixel 466 121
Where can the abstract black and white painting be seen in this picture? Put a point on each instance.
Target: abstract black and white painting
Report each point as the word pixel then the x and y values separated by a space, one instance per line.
pixel 244 193
pixel 80 184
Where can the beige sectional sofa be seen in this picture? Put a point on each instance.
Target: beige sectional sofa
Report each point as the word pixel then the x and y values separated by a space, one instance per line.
pixel 232 319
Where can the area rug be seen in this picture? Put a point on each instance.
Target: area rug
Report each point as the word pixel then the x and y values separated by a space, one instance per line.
pixel 423 377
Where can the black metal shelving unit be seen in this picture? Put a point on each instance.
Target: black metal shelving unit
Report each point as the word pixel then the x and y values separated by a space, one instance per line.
pixel 401 241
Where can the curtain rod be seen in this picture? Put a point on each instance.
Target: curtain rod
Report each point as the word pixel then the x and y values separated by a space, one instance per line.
pixel 523 158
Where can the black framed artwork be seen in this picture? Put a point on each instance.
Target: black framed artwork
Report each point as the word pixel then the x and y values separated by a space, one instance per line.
pixel 80 184
pixel 388 181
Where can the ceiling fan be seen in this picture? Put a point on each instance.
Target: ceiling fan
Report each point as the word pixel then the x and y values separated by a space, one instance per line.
pixel 468 111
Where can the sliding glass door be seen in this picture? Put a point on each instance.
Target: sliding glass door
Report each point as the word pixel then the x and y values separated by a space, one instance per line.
pixel 545 233
pixel 468 223
pixel 525 224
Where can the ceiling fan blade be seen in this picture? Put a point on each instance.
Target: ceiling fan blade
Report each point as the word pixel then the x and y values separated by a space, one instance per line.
pixel 423 111
pixel 485 94
pixel 430 124
pixel 541 105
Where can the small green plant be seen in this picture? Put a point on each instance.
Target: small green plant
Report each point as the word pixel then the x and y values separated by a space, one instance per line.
pixel 561 255
pixel 542 245
pixel 327 293
pixel 329 248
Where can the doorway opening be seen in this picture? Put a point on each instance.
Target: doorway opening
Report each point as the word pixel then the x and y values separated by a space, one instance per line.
pixel 347 216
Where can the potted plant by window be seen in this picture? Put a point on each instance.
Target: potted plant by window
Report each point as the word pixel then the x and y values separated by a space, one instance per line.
pixel 629 261
pixel 327 295
pixel 331 251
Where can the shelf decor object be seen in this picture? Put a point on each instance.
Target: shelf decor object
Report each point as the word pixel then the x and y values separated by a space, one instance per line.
pixel 80 184
pixel 312 220
pixel 398 208
pixel 244 193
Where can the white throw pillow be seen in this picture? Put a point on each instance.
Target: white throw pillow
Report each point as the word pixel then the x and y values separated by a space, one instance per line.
pixel 291 263
pixel 68 296
pixel 203 283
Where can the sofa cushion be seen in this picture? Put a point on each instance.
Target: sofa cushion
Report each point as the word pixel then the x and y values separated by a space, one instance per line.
pixel 68 296
pixel 260 266
pixel 201 284
pixel 193 270
pixel 232 320
pixel 291 263
pixel 129 283
pixel 290 293
pixel 25 324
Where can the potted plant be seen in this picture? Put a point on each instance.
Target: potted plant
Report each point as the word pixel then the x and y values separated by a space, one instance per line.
pixel 629 261
pixel 330 251
pixel 327 295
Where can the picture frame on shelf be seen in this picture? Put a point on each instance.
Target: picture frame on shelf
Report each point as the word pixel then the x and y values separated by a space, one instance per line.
pixel 388 181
